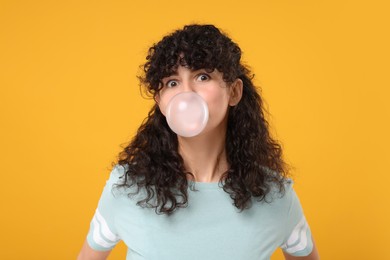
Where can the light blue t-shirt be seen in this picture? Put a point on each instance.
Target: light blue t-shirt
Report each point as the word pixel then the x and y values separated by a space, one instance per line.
pixel 210 228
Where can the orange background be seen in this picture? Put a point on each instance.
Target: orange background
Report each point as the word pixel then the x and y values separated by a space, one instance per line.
pixel 69 98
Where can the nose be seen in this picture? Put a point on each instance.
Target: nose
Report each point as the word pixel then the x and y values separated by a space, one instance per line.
pixel 187 86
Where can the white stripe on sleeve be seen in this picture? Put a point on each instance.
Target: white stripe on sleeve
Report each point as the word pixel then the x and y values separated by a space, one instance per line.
pixel 298 238
pixel 100 231
pixel 105 229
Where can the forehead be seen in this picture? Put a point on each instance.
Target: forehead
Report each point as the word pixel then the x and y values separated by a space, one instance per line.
pixel 185 69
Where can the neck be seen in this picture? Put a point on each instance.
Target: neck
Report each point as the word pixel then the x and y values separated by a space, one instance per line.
pixel 205 156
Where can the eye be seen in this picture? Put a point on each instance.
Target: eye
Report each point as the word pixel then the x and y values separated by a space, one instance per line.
pixel 203 77
pixel 171 83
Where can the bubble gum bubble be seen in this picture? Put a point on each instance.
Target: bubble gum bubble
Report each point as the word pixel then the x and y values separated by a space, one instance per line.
pixel 187 114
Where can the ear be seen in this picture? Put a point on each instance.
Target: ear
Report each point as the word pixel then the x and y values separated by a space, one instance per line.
pixel 157 98
pixel 236 92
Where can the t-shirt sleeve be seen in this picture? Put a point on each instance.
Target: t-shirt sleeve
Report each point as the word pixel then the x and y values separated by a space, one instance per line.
pixel 102 235
pixel 297 240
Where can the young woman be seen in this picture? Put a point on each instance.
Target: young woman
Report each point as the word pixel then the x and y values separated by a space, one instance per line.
pixel 221 194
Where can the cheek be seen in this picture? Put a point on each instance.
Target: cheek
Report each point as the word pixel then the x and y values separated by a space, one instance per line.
pixel 218 104
pixel 162 106
pixel 163 101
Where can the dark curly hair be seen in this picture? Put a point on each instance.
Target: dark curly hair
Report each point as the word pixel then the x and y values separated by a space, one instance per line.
pixel 152 160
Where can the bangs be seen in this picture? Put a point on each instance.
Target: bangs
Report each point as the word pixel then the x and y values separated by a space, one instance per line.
pixel 193 63
pixel 195 47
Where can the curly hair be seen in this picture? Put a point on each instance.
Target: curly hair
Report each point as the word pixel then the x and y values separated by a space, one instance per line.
pixel 152 160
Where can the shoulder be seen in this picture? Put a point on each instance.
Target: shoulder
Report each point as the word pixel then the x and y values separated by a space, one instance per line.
pixel 116 179
pixel 113 188
pixel 119 187
pixel 280 187
pixel 117 174
pixel 280 194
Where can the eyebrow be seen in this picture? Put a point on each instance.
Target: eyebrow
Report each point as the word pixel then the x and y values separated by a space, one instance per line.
pixel 173 74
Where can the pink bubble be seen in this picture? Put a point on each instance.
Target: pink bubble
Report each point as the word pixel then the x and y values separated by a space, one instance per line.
pixel 187 114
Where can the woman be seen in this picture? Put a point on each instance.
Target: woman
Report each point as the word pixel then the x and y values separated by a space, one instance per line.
pixel 221 194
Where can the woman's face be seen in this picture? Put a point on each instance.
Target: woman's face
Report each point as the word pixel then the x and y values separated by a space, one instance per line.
pixel 210 86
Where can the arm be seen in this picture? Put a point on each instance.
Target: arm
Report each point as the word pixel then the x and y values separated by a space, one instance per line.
pixel 87 253
pixel 102 236
pixel 312 256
